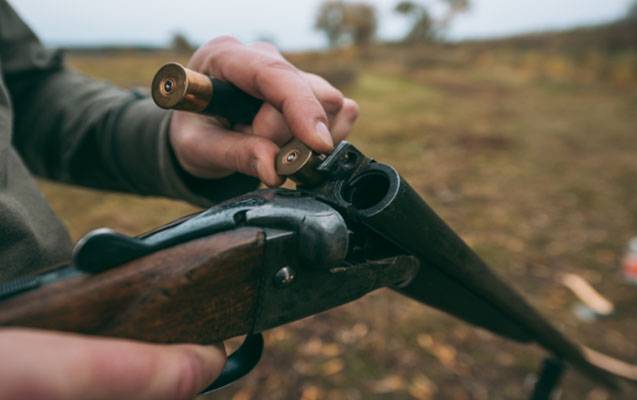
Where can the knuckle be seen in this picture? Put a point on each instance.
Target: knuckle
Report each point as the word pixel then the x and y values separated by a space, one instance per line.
pixel 250 165
pixel 185 147
pixel 260 156
pixel 233 158
pixel 219 57
pixel 350 110
pixel 220 51
pixel 299 109
pixel 184 142
pixel 333 100
pixel 336 93
pixel 260 149
pixel 271 72
pixel 308 104
pixel 189 375
pixel 278 64
pixel 217 52
pixel 247 156
pixel 266 46
pixel 225 40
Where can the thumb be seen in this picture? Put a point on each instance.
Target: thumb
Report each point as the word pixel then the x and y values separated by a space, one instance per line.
pixel 200 366
pixel 39 365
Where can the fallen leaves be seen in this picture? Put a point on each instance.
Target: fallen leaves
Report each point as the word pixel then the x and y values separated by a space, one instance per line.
pixel 390 383
pixel 446 354
pixel 332 367
pixel 422 388
pixel 353 334
pixel 311 392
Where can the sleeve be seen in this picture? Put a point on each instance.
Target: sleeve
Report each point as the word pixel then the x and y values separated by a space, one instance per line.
pixel 71 128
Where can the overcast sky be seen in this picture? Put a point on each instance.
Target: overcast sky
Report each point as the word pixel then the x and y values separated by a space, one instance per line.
pixel 289 23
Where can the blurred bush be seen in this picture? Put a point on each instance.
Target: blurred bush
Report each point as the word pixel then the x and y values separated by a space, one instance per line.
pixel 346 23
pixel 631 14
pixel 424 27
pixel 181 44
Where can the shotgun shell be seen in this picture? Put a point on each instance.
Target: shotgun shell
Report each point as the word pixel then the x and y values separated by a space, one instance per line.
pixel 296 161
pixel 175 87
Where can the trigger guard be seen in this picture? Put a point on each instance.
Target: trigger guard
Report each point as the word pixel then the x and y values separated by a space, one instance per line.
pixel 239 364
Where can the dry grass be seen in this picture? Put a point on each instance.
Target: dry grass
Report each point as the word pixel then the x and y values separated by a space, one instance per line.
pixel 537 170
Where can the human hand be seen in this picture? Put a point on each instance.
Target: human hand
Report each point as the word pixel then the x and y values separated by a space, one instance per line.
pixel 296 104
pixel 47 365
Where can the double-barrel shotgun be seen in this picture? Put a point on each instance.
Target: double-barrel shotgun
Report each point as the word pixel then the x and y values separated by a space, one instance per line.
pixel 272 256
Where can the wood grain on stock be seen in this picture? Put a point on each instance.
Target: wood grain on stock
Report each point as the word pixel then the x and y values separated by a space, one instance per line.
pixel 202 291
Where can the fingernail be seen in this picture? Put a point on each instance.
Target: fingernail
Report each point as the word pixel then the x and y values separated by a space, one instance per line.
pixel 324 134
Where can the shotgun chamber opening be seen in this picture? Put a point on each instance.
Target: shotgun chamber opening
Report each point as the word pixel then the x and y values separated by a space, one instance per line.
pixel 366 190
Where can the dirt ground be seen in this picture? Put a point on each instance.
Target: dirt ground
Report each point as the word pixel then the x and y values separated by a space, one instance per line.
pixel 530 155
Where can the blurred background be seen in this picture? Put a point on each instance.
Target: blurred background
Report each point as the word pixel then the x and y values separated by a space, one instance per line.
pixel 517 122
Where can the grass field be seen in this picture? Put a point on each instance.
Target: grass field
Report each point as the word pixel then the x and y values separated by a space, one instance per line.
pixel 529 153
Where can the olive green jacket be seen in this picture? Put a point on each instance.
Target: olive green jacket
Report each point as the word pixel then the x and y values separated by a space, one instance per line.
pixel 61 125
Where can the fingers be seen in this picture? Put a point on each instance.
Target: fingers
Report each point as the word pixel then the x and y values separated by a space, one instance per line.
pixel 271 124
pixel 297 104
pixel 331 98
pixel 273 79
pixel 38 364
pixel 343 122
pixel 210 151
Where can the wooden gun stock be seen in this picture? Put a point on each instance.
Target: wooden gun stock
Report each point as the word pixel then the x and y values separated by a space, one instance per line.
pixel 202 291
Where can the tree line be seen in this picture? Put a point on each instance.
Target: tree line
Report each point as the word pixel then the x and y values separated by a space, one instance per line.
pixel 355 22
pixel 345 22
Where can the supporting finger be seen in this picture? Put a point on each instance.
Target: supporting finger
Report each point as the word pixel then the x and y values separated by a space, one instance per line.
pixel 38 364
pixel 269 123
pixel 343 122
pixel 331 98
pixel 207 149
